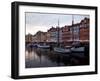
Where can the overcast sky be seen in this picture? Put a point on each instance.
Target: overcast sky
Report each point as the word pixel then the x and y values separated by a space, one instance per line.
pixel 43 21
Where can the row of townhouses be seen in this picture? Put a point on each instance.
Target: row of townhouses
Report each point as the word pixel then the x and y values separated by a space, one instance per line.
pixel 66 34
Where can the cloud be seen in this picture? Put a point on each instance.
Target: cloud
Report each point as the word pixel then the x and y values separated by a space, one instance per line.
pixel 44 21
pixel 33 29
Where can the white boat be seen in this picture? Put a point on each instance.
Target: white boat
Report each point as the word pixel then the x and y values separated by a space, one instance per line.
pixel 43 46
pixel 61 50
pixel 32 45
pixel 78 49
pixel 68 46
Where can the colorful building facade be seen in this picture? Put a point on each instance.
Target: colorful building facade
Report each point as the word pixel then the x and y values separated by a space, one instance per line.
pixel 53 34
pixel 66 34
pixel 84 30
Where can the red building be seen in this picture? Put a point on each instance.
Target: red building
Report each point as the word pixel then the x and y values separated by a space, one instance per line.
pixel 66 34
pixel 84 30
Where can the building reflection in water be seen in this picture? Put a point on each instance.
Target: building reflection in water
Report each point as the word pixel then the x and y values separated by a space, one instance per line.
pixel 35 57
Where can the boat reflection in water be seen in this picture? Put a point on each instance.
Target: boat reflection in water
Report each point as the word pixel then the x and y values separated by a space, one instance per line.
pixel 37 57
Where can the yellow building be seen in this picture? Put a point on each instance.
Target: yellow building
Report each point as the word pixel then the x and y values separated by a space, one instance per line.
pixel 40 37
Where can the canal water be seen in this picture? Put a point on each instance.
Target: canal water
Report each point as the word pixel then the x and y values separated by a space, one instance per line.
pixel 37 57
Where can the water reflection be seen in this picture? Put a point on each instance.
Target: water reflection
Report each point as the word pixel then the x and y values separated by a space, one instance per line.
pixel 35 57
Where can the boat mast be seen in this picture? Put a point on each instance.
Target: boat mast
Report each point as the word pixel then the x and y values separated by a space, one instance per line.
pixel 58 33
pixel 72 28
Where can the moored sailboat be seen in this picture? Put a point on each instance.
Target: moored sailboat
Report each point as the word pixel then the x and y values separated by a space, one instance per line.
pixel 60 49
